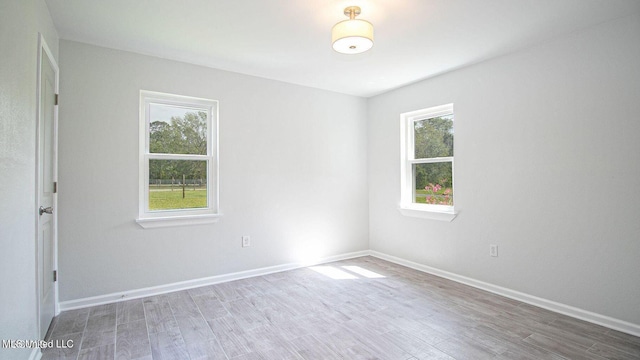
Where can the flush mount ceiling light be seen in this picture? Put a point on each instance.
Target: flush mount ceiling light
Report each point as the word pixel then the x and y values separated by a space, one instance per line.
pixel 352 36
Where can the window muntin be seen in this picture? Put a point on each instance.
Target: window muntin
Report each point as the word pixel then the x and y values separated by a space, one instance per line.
pixel 427 159
pixel 178 156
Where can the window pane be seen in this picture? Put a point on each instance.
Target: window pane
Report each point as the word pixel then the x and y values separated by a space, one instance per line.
pixel 433 137
pixel 177 184
pixel 433 183
pixel 177 130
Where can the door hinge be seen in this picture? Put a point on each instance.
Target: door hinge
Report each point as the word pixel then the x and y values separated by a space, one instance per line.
pixel 55 187
pixel 55 275
pixel 56 100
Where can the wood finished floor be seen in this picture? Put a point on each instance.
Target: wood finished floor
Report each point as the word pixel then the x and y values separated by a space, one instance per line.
pixel 363 308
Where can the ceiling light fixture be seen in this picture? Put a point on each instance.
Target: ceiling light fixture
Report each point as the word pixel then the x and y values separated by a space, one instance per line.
pixel 352 36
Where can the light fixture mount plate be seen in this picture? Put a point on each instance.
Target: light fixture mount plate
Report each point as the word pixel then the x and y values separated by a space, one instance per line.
pixel 355 10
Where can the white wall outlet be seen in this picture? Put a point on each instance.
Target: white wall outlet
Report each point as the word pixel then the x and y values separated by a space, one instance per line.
pixel 246 241
pixel 493 250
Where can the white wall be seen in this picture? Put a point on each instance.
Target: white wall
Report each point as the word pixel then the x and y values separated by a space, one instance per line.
pixel 293 174
pixel 20 22
pixel 547 165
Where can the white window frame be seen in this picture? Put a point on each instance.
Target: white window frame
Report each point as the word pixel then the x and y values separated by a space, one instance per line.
pixel 164 218
pixel 407 159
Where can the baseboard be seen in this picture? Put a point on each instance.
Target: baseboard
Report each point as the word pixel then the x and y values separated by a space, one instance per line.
pixel 189 284
pixel 36 354
pixel 612 323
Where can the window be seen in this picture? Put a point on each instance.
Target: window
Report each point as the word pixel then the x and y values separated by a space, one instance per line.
pixel 178 160
pixel 427 163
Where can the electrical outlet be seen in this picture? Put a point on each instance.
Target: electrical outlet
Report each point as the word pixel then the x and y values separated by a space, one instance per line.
pixel 493 250
pixel 246 241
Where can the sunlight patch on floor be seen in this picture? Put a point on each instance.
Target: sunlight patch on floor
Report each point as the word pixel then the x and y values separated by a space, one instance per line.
pixel 363 272
pixel 333 272
pixel 351 272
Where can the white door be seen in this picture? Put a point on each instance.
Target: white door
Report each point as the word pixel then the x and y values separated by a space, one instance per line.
pixel 47 174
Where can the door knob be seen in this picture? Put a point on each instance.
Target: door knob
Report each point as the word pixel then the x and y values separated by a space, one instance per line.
pixel 48 210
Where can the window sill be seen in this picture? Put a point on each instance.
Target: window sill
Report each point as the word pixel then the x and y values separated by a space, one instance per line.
pixel 428 213
pixel 151 223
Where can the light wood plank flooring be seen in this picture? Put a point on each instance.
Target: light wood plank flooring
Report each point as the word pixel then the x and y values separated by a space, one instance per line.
pixel 363 308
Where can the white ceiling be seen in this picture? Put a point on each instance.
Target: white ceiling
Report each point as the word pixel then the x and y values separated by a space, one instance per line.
pixel 290 40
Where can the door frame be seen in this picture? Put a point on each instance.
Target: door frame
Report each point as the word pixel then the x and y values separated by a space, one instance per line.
pixel 44 50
